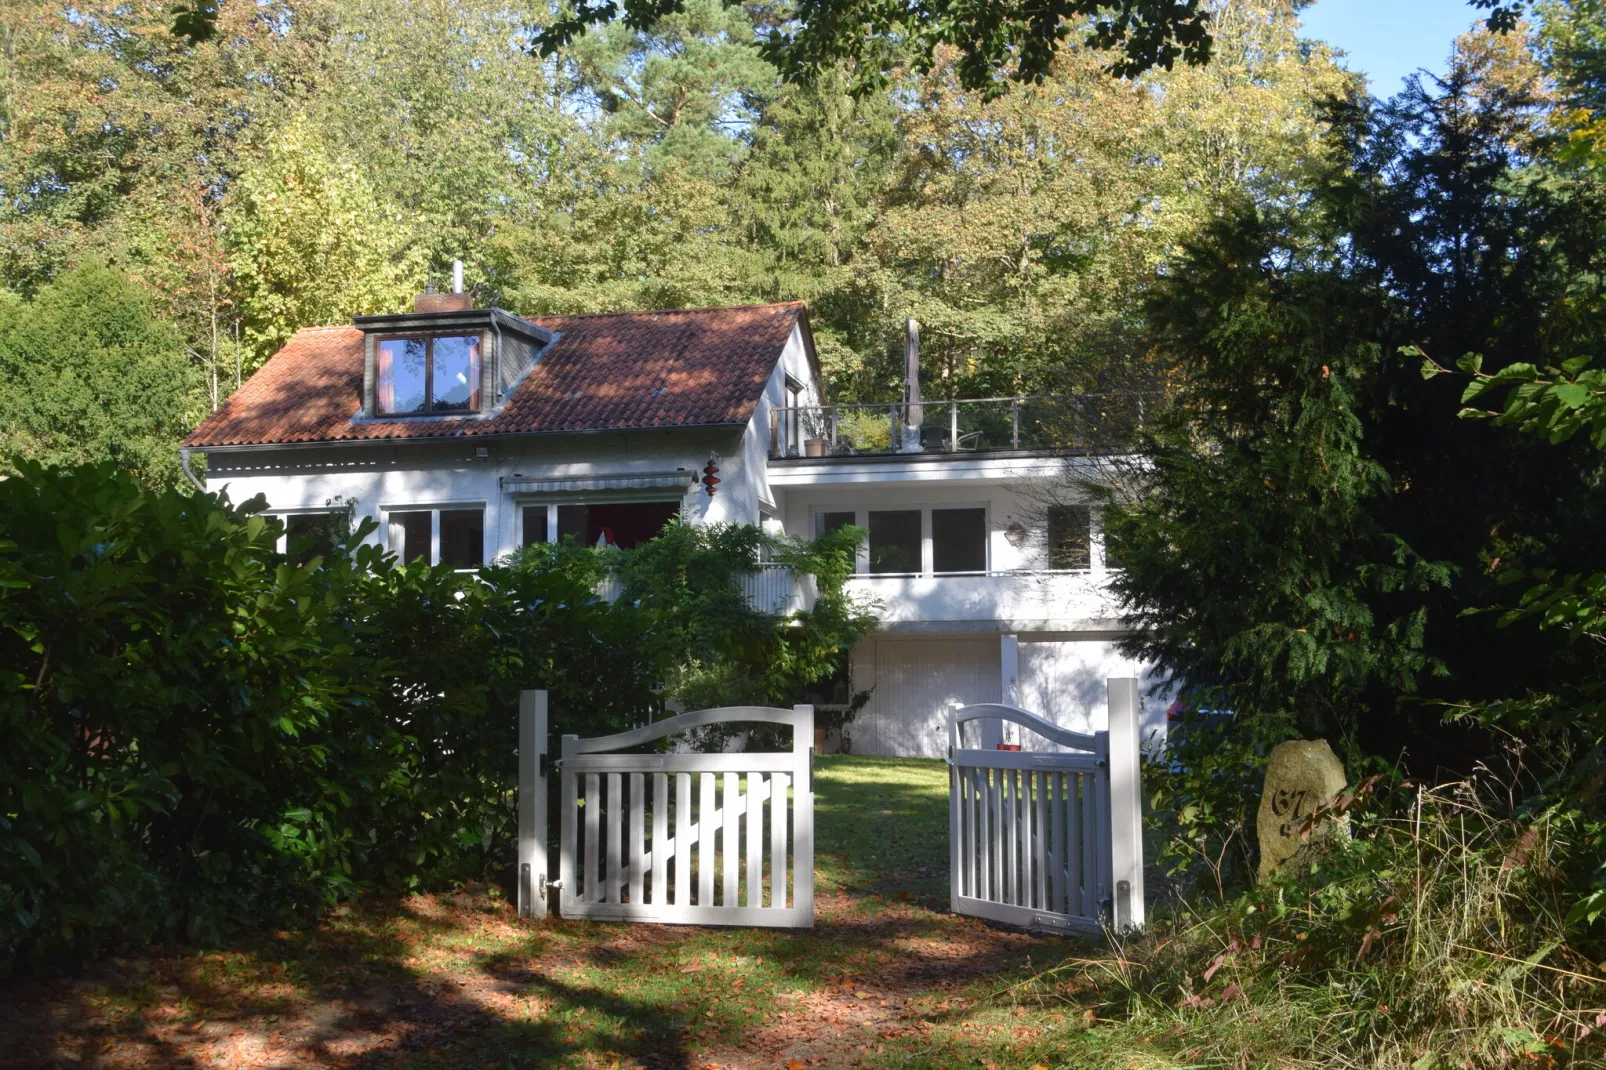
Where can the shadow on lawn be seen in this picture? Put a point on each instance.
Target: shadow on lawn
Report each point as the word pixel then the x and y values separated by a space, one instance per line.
pixel 353 993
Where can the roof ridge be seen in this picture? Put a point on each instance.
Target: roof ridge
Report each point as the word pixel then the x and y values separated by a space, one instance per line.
pixel 665 311
pixel 329 327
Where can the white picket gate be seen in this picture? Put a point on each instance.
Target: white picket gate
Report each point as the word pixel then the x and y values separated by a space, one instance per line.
pixel 695 839
pixel 1048 839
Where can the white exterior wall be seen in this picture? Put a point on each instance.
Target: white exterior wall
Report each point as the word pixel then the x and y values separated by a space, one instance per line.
pixel 385 477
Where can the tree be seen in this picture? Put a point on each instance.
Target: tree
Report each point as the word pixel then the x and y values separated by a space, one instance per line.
pixel 1318 526
pixel 1256 562
pixel 310 244
pixel 89 372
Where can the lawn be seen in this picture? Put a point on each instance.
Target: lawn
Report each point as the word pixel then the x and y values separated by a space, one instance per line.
pixel 886 978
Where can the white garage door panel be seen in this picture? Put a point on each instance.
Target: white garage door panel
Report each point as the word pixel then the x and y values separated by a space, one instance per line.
pixel 916 682
pixel 1064 681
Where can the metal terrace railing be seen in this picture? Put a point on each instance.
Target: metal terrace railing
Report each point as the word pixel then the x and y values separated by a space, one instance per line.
pixel 771 588
pixel 1083 421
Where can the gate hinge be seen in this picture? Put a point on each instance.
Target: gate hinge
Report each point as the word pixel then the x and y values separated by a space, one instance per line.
pixel 547 765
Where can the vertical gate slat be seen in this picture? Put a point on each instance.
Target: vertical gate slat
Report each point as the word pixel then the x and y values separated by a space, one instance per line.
pixel 1076 868
pixel 1054 854
pixel 731 838
pixel 615 808
pixel 1090 847
pixel 779 783
pixel 1023 893
pixel 956 829
pixel 984 820
pixel 568 832
pixel 996 834
pixel 1106 868
pixel 1018 859
pixel 756 784
pixel 638 834
pixel 707 822
pixel 660 838
pixel 1041 790
pixel 682 839
pixel 593 823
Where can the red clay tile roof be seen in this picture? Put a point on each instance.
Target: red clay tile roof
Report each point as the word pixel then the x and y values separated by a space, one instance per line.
pixel 615 370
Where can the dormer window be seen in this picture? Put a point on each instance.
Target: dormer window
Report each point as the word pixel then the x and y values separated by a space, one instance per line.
pixel 427 374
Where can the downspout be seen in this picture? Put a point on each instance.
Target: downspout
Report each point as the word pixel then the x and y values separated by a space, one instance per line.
pixel 184 463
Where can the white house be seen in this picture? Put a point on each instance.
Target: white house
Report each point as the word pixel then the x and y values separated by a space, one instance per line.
pixel 468 432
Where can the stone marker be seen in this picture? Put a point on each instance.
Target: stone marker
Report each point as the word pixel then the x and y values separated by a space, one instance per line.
pixel 1300 776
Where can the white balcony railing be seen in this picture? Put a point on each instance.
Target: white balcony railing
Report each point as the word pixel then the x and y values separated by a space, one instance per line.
pixel 1081 596
pixel 772 589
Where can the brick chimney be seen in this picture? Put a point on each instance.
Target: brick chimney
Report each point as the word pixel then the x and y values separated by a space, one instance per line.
pixel 456 301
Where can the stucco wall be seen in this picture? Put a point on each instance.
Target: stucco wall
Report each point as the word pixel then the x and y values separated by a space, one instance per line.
pixel 378 479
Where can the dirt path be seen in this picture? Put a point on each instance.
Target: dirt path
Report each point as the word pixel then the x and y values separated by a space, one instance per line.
pixel 458 980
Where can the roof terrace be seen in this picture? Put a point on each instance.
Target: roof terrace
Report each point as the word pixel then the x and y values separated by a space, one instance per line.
pixel 965 425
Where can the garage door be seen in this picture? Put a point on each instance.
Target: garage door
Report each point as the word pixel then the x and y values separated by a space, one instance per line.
pixel 916 682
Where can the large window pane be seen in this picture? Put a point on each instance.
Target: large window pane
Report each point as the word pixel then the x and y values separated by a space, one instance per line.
pixel 409 536
pixel 534 524
pixel 825 523
pixel 310 535
pixel 572 523
pixel 1070 537
pixel 626 524
pixel 400 368
pixel 463 537
pixel 895 541
pixel 959 540
pixel 457 373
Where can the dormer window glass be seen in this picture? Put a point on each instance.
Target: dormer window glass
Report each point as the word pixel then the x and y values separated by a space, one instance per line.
pixel 428 374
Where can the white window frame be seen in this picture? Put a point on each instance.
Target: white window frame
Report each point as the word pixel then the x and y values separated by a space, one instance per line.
pixel 487 533
pixel 284 515
pixel 861 518
pixel 522 502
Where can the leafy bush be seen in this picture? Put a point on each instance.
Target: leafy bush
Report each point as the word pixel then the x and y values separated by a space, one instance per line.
pixel 201 733
pixel 1201 791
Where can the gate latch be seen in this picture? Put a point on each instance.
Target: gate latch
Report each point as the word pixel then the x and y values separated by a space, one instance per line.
pixel 547 765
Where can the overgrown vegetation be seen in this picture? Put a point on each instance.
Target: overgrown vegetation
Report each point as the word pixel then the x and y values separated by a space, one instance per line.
pixel 202 733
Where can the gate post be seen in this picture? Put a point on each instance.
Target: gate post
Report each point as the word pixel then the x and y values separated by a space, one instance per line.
pixel 1126 806
pixel 532 869
pixel 802 815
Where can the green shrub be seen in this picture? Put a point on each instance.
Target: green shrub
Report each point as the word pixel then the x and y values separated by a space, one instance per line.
pixel 201 734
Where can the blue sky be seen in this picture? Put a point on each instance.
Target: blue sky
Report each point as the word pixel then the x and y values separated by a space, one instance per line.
pixel 1389 39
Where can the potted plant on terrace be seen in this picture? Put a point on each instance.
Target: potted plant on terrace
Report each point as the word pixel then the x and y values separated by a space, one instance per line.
pixel 815 444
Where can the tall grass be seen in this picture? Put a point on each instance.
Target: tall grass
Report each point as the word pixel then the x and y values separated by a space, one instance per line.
pixel 1434 936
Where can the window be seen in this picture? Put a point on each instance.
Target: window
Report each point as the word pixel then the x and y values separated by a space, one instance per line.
pixel 825 523
pixel 427 375
pixel 534 524
pixel 461 534
pixel 895 542
pixel 958 540
pixel 463 537
pixel 1070 537
pixel 621 524
pixel 309 535
pixel 410 536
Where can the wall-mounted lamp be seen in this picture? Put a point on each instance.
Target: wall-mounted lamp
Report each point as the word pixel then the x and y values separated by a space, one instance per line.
pixel 482 452
pixel 1016 534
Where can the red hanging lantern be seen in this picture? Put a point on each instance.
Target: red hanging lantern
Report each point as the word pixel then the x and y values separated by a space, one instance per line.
pixel 710 476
